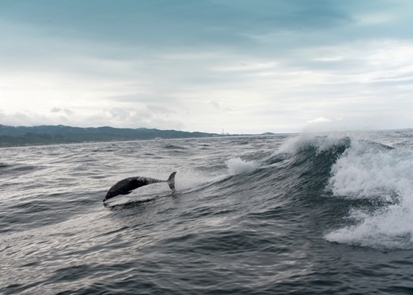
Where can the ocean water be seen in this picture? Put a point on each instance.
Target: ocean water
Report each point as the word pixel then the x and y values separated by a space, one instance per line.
pixel 283 214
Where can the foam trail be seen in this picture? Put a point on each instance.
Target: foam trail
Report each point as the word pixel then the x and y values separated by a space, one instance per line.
pixel 186 180
pixel 191 180
pixel 239 166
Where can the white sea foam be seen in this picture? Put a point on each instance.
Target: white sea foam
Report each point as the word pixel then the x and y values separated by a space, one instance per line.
pixel 369 171
pixel 366 171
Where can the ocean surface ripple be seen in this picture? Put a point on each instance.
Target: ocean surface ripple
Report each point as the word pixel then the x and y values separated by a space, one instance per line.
pixel 282 214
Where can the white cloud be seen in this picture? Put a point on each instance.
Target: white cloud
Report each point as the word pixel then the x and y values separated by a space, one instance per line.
pixel 320 120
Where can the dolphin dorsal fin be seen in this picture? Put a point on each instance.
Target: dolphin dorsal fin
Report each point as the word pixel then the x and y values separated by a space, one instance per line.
pixel 171 181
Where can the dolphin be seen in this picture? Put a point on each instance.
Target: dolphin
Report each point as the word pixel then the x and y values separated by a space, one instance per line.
pixel 127 185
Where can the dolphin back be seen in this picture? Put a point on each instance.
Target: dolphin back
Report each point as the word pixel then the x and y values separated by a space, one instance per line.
pixel 126 185
pixel 171 181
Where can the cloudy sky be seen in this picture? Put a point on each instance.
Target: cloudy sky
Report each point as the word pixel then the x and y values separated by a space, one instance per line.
pixel 207 65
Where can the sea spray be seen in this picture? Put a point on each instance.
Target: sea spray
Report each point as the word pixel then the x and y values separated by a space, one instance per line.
pixel 379 175
pixel 322 142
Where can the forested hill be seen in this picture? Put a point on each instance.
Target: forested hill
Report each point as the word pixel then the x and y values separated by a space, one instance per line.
pixel 41 135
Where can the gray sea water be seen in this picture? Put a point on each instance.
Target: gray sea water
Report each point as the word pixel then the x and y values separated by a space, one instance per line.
pixel 283 214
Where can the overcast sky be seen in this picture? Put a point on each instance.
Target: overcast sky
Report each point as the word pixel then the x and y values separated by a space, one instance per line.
pixel 207 65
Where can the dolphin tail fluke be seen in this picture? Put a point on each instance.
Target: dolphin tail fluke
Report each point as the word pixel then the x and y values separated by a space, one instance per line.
pixel 171 181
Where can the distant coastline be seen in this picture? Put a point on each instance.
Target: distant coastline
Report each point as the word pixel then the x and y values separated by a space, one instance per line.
pixel 11 136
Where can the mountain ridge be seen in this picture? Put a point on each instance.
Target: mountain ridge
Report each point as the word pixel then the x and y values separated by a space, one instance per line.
pixel 58 134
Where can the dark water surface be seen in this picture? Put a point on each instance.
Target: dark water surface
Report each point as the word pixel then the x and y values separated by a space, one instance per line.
pixel 307 214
